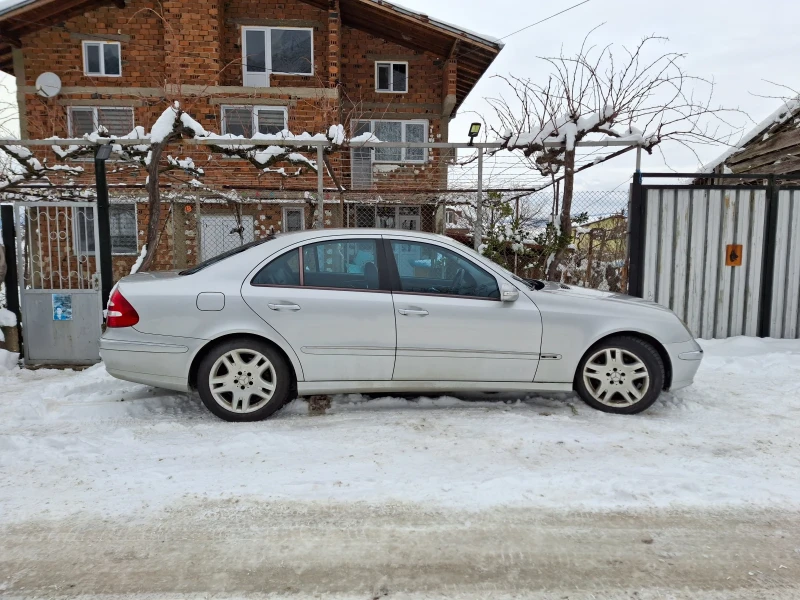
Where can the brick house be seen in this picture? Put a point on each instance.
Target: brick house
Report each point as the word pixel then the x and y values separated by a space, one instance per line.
pixel 245 66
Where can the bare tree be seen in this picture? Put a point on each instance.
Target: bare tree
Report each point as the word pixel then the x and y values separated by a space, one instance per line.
pixel 634 95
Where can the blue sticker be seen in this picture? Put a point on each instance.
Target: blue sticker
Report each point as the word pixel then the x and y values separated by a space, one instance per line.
pixel 62 307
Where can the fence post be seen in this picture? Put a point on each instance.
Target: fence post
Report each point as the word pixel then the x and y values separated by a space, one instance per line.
pixel 477 234
pixel 103 227
pixel 768 260
pixel 9 241
pixel 636 221
pixel 320 187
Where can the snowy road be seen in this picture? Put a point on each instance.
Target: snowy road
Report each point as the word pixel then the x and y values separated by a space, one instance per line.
pixel 115 488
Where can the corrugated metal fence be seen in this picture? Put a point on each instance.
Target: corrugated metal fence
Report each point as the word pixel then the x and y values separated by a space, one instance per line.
pixel 725 258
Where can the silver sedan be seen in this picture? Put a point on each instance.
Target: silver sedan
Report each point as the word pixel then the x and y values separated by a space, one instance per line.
pixel 384 311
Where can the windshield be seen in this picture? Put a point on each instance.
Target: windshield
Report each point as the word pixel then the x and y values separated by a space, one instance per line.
pixel 224 255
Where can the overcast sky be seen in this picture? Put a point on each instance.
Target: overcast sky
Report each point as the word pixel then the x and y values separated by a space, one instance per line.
pixel 738 43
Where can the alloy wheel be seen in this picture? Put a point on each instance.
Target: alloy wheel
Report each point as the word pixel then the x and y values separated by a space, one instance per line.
pixel 616 377
pixel 242 381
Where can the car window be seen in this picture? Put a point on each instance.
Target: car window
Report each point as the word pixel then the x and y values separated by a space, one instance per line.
pixel 342 264
pixel 284 270
pixel 225 255
pixel 429 269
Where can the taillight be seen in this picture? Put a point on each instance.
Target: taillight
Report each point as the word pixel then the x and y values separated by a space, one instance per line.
pixel 120 312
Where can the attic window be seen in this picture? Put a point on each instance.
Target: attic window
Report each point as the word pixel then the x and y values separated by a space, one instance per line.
pixel 102 59
pixel 391 77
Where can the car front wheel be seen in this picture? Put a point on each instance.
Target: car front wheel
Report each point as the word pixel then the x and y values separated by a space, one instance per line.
pixel 622 375
pixel 243 380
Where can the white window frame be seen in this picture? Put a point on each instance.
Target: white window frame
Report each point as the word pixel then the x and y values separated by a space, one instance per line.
pixel 268 55
pixel 253 115
pixel 403 159
pixel 397 215
pixel 102 72
pixel 391 64
pixel 77 231
pixel 302 217
pixel 94 115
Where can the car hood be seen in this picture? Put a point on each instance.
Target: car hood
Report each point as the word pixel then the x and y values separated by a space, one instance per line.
pixel 551 287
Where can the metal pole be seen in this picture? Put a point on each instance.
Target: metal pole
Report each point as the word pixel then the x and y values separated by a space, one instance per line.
pixel 320 188
pixel 636 229
pixel 7 216
pixel 103 227
pixel 477 235
pixel 768 260
pixel 638 159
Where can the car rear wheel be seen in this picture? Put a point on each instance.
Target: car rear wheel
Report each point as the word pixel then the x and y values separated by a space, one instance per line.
pixel 622 375
pixel 243 380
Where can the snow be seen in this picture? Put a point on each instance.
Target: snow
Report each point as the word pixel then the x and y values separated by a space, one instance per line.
pixel 139 260
pixel 7 318
pixel 783 113
pixel 101 446
pixel 163 126
pixel 8 361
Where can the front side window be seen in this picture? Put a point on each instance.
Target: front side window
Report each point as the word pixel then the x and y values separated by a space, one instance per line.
pixel 249 120
pixel 87 119
pixel 122 221
pixel 102 59
pixel 391 77
pixel 428 269
pixel 276 50
pixel 342 264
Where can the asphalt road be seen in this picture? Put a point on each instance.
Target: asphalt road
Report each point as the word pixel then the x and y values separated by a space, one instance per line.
pixel 243 549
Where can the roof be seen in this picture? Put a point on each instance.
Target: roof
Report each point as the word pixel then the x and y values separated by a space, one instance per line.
pixel 474 52
pixel 783 113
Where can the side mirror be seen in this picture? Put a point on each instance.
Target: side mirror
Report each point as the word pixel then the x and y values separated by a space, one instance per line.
pixel 508 293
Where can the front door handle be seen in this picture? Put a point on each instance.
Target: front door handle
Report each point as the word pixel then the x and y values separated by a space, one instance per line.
pixel 291 307
pixel 413 312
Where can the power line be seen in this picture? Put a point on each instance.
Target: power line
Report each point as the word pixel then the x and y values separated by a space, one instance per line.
pixel 546 19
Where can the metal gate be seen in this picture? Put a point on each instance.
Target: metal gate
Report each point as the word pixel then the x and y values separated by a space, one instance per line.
pixel 724 258
pixel 57 258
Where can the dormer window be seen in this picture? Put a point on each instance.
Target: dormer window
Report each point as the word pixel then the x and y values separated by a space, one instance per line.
pixel 102 59
pixel 391 77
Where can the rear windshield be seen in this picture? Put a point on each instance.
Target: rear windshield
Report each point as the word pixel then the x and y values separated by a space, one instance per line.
pixel 224 255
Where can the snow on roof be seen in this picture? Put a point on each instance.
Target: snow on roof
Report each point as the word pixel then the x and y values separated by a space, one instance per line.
pixel 780 116
pixel 479 37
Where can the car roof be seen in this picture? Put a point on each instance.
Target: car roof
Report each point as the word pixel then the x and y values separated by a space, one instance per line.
pixel 311 234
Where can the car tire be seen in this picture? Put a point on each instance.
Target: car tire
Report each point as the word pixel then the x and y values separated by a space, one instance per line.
pixel 244 380
pixel 623 375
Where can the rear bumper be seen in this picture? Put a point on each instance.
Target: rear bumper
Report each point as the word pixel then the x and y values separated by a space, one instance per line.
pixel 160 361
pixel 685 358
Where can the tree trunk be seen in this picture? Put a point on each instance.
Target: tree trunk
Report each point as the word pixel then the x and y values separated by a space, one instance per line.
pixel 153 207
pixel 554 273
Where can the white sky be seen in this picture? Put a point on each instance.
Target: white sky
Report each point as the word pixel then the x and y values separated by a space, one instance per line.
pixel 738 43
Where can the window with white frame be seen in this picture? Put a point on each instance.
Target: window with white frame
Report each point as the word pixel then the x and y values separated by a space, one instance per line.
pixel 247 120
pixel 122 221
pixel 118 120
pixel 102 59
pixel 391 77
pixel 397 131
pixel 388 217
pixel 293 219
pixel 280 50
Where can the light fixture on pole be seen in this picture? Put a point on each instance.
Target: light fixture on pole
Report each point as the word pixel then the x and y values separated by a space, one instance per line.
pixel 474 130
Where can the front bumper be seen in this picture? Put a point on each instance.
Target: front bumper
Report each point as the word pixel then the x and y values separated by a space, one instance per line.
pixel 685 358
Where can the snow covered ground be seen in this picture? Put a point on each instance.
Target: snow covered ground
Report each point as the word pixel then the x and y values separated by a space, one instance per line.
pixel 110 489
pixel 86 443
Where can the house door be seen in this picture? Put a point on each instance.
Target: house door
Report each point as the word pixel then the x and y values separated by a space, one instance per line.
pixel 220 233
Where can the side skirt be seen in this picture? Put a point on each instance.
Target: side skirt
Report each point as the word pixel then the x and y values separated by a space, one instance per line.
pixel 309 388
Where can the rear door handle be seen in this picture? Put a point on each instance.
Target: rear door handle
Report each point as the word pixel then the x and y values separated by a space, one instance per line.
pixel 412 312
pixel 291 307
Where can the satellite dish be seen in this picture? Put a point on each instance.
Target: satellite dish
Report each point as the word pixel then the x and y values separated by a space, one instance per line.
pixel 48 85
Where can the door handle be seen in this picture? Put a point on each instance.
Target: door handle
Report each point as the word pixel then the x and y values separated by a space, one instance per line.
pixel 291 307
pixel 413 312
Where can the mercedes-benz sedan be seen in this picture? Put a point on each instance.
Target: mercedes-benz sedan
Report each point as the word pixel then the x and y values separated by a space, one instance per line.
pixel 384 311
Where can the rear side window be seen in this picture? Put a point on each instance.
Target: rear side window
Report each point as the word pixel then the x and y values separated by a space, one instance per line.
pixel 284 270
pixel 341 264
